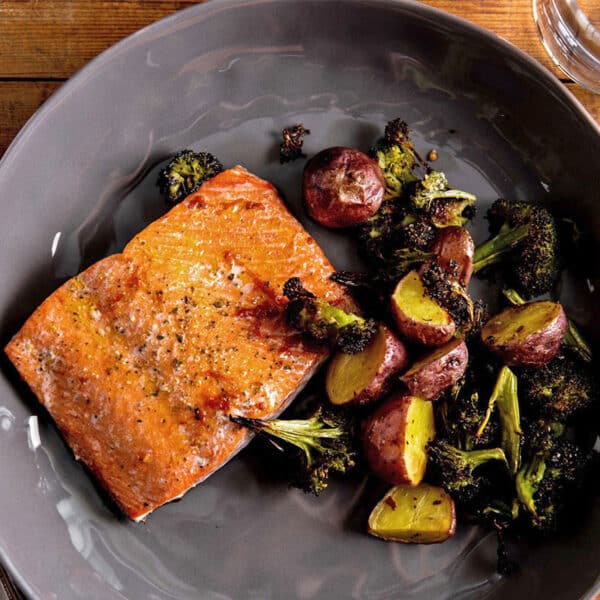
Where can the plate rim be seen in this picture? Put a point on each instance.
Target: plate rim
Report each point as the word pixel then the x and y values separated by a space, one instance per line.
pixel 215 6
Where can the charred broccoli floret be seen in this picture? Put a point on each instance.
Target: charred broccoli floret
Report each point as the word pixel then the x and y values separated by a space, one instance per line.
pixel 449 294
pixel 526 235
pixel 325 443
pixel 573 339
pixel 461 411
pixel 391 228
pixel 185 173
pixel 562 389
pixel 324 322
pixel 454 469
pixel 552 473
pixel 293 139
pixel 396 156
pixel 443 207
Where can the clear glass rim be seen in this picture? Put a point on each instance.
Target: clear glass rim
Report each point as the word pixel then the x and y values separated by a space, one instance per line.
pixel 570 39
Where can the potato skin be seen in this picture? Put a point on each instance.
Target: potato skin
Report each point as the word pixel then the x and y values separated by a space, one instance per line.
pixel 428 379
pixel 395 359
pixel 535 349
pixel 342 187
pixel 385 441
pixel 454 249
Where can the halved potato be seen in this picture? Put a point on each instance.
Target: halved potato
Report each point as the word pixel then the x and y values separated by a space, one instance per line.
pixel 437 370
pixel 454 249
pixel 530 334
pixel 364 377
pixel 395 438
pixel 424 514
pixel 420 318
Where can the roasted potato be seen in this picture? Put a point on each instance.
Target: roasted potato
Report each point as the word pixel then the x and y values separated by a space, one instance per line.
pixel 395 439
pixel 454 249
pixel 437 370
pixel 364 377
pixel 422 514
pixel 418 317
pixel 342 187
pixel 530 334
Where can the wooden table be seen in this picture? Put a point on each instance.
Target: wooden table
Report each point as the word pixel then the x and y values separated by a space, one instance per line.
pixel 43 42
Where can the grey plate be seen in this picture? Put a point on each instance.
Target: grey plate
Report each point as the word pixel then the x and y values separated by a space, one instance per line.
pixel 79 182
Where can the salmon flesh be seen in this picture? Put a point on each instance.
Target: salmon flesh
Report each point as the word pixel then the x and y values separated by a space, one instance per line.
pixel 141 358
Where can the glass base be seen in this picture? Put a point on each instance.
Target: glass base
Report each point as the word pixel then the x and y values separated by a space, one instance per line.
pixel 570 39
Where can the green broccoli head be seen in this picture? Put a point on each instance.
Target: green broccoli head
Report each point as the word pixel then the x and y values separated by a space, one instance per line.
pixel 454 469
pixel 549 479
pixel 185 173
pixel 526 239
pixel 317 446
pixel 326 323
pixel 395 155
pixel 560 390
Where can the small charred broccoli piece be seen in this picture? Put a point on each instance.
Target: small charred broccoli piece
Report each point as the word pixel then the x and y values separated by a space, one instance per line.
pixel 560 390
pixel 291 147
pixel 324 322
pixel 185 173
pixel 460 411
pixel 396 156
pixel 454 469
pixel 469 315
pixel 391 228
pixel 442 206
pixel 325 442
pixel 525 235
pixel 549 477
pixel 573 339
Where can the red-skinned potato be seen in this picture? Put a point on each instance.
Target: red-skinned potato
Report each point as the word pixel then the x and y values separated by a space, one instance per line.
pixel 364 377
pixel 454 249
pixel 437 370
pixel 422 514
pixel 526 335
pixel 419 318
pixel 395 439
pixel 342 187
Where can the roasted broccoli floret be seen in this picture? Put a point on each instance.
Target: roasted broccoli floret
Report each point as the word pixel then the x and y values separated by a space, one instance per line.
pixel 391 228
pixel 449 294
pixel 326 323
pixel 185 173
pixel 326 444
pixel 454 469
pixel 396 156
pixel 560 390
pixel 461 411
pixel 551 474
pixel 525 235
pixel 573 339
pixel 443 207
pixel 291 146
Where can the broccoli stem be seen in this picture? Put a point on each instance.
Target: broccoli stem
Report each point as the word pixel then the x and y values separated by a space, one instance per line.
pixel 504 396
pixel 493 250
pixel 305 434
pixel 527 481
pixel 573 337
pixel 334 315
pixel 478 457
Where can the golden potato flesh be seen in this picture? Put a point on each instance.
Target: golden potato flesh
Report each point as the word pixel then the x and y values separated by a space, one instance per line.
pixel 422 514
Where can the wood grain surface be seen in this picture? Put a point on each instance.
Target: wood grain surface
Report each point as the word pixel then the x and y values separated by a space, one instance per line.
pixel 43 42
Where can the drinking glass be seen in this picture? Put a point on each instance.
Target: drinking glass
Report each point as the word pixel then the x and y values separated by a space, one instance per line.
pixel 570 32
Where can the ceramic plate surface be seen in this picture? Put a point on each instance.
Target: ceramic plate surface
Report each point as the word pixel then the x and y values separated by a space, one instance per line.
pixel 78 183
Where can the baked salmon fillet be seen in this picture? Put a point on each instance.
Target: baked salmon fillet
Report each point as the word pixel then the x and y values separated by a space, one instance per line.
pixel 141 358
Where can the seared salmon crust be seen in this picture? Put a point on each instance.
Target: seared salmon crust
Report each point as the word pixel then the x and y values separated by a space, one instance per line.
pixel 141 358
